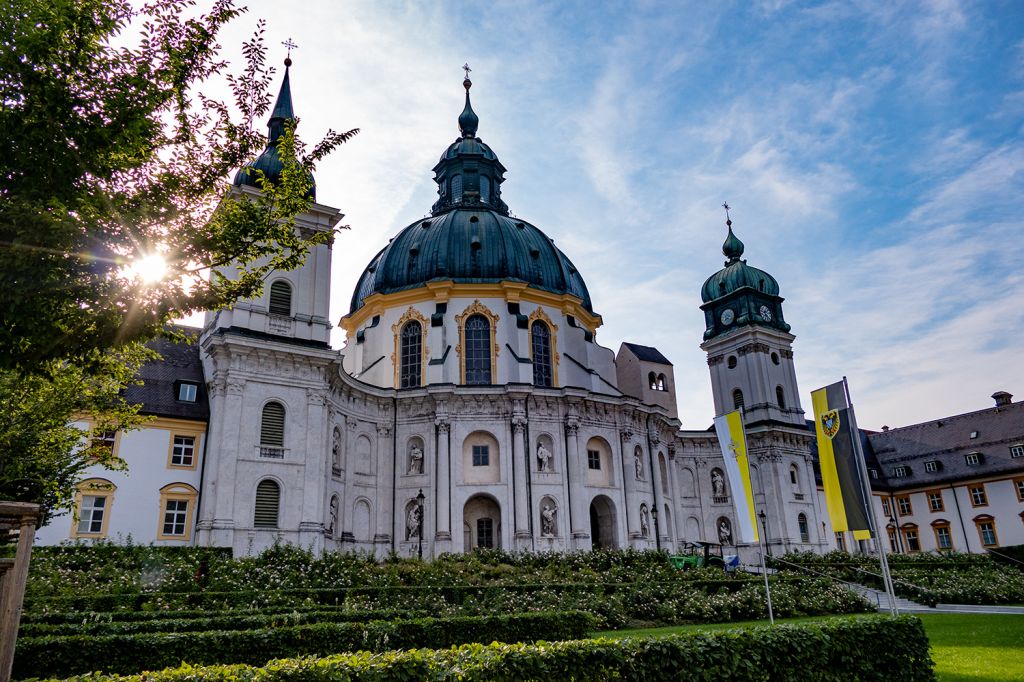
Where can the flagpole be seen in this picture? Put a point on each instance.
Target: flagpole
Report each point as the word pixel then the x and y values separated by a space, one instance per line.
pixel 868 506
pixel 764 572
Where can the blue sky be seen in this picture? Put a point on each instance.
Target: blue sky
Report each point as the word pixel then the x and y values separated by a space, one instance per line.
pixel 872 153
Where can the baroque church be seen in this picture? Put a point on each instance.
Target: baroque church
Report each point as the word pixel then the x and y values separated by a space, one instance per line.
pixel 471 406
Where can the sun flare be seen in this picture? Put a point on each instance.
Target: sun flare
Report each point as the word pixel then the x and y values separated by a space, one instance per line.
pixel 150 268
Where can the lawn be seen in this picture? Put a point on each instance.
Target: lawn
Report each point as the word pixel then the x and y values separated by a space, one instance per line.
pixel 966 647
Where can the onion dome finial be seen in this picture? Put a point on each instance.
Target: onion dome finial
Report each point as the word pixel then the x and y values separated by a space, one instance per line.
pixel 733 247
pixel 468 120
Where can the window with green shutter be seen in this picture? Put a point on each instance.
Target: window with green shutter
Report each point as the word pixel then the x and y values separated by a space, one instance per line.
pixel 268 502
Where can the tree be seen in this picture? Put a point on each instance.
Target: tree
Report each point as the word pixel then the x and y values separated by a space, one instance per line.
pixel 111 154
pixel 52 425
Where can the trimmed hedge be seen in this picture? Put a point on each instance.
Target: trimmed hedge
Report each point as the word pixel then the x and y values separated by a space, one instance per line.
pixel 82 617
pixel 224 620
pixel 67 655
pixel 453 594
pixel 838 649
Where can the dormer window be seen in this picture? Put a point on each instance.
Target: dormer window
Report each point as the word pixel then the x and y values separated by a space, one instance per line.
pixel 932 466
pixel 972 459
pixel 188 392
pixel 900 472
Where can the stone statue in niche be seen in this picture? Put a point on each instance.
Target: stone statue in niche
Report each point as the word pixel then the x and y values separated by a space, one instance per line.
pixel 717 483
pixel 645 521
pixel 336 451
pixel 332 521
pixel 413 522
pixel 638 464
pixel 548 520
pixel 724 532
pixel 415 459
pixel 543 458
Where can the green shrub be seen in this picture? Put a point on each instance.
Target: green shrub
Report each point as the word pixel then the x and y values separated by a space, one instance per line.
pixel 860 648
pixel 129 653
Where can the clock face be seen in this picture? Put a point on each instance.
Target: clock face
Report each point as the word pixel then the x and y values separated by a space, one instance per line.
pixel 766 313
pixel 728 316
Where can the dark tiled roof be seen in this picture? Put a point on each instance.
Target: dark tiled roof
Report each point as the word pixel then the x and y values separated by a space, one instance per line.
pixel 947 441
pixel 158 392
pixel 647 353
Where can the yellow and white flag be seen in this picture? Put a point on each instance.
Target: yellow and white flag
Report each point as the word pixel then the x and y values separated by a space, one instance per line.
pixel 733 441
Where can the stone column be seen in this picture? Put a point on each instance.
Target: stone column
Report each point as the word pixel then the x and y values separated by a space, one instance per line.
pixel 345 522
pixel 577 480
pixel 315 472
pixel 385 484
pixel 657 489
pixel 522 500
pixel 630 486
pixel 443 503
pixel 224 521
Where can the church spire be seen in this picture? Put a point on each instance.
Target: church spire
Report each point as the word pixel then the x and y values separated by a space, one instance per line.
pixel 468 120
pixel 733 247
pixel 283 110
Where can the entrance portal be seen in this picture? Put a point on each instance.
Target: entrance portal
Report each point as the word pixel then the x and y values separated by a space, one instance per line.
pixel 481 525
pixel 602 523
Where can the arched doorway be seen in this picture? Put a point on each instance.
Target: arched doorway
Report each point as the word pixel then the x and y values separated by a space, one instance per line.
pixel 602 523
pixel 481 524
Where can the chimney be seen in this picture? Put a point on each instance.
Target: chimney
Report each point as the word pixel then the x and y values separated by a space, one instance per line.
pixel 1002 398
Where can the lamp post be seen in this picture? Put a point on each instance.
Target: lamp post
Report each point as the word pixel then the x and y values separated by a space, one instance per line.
pixel 764 530
pixel 895 533
pixel 419 531
pixel 764 569
pixel 657 532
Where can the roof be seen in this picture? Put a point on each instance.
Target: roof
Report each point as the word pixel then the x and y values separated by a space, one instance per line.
pixel 179 362
pixel 947 441
pixel 647 353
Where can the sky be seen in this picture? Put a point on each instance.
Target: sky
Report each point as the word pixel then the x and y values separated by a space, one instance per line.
pixel 871 152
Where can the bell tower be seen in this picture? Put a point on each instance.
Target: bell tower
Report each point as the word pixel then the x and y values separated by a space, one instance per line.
pixel 750 357
pixel 749 345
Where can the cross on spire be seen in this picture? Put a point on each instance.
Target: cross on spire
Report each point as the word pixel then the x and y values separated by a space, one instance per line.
pixel 465 67
pixel 290 44
pixel 726 206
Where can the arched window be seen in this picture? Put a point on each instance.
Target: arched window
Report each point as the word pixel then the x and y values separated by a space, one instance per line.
pixel 780 397
pixel 663 467
pixel 805 532
pixel 652 381
pixel 478 350
pixel 268 504
pixel 737 399
pixel 541 343
pixel 457 188
pixel 485 188
pixel 411 359
pixel 272 430
pixel 662 382
pixel 281 298
pixel 794 475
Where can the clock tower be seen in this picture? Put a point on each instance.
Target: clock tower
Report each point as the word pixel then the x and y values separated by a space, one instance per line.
pixel 750 357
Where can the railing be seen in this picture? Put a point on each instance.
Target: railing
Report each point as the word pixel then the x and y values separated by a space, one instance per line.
pixel 720 499
pixel 798 496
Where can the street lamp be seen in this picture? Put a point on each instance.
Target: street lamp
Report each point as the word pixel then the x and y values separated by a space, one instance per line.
pixel 657 532
pixel 895 533
pixel 764 530
pixel 419 531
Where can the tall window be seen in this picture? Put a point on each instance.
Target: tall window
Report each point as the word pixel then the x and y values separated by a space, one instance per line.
pixel 886 509
pixel 594 460
pixel 943 538
pixel 662 382
pixel 805 532
pixel 478 350
pixel 737 399
pixel 652 381
pixel 780 398
pixel 911 538
pixel 175 514
pixel 177 501
pixel 281 298
pixel 457 188
pixel 978 497
pixel 987 530
pixel 906 509
pixel 935 501
pixel 272 430
pixel 541 342
pixel 91 514
pixel 841 541
pixel 485 533
pixel 183 451
pixel 268 504
pixel 411 355
pixel 481 456
pixel 485 188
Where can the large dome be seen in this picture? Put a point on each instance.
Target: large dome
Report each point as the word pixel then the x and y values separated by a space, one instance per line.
pixel 470 245
pixel 469 237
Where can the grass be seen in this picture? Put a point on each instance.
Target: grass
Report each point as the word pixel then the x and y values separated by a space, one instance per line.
pixel 966 647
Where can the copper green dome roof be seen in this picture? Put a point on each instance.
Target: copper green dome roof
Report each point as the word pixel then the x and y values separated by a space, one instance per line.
pixel 469 237
pixel 269 162
pixel 736 274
